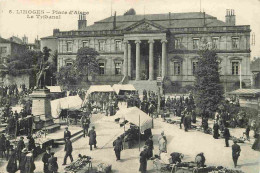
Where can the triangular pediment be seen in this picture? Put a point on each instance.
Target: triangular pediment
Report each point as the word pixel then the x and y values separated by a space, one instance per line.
pixel 144 26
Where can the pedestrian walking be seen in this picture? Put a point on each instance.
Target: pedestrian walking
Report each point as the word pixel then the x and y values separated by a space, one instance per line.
pixel 67 133
pixel 162 145
pixel 226 135
pixel 215 130
pixel 45 159
pixel 247 132
pixel 235 152
pixel 92 138
pixel 29 163
pixel 117 144
pixel 68 149
pixel 31 143
pixel 85 124
pixel 52 164
pixel 22 160
pixel 20 147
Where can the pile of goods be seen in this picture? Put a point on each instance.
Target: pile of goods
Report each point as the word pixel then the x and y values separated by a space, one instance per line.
pixel 77 165
pixel 106 168
pixel 191 166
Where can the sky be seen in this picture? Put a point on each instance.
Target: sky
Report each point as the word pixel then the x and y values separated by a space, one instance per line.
pixel 15 22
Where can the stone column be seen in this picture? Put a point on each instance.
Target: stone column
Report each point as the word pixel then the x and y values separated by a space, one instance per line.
pixel 125 59
pixel 137 42
pixel 164 54
pixel 151 61
pixel 129 59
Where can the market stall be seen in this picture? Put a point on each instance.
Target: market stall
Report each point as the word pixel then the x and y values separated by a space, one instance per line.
pixel 123 90
pixel 71 103
pixel 140 125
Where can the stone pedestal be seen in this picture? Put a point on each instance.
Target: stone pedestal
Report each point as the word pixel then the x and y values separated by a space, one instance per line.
pixel 41 106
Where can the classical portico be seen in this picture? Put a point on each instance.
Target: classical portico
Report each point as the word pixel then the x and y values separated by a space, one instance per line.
pixel 134 41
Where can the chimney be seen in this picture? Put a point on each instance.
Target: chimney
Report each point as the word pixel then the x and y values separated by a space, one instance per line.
pixel 114 21
pixel 82 22
pixel 230 17
pixel 170 23
pixel 55 32
pixel 204 19
pixel 25 39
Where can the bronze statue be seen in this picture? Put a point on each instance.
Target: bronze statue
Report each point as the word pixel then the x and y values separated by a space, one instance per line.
pixel 40 76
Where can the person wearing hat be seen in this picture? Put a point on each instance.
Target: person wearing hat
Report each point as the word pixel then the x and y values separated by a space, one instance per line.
pixel 117 147
pixel 53 165
pixel 226 135
pixel 235 152
pixel 143 160
pixel 45 159
pixel 20 147
pixel 68 148
pixel 92 138
pixel 31 143
pixel 29 163
pixel 200 160
pixel 22 160
pixel 67 133
pixel 85 124
pixel 149 144
pixel 12 162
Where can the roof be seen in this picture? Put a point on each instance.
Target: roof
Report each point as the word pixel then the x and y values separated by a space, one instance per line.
pixel 54 89
pixel 2 40
pixel 178 20
pixel 49 37
pixel 246 92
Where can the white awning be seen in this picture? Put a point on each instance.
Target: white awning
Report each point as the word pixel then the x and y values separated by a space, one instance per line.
pixel 119 87
pixel 54 89
pixel 136 116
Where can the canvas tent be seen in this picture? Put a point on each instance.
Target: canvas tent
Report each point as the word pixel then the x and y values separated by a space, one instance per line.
pixel 132 115
pixel 70 102
pixel 54 89
pixel 120 89
pixel 98 89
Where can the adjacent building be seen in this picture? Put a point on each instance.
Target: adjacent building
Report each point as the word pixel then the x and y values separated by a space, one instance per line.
pixel 144 47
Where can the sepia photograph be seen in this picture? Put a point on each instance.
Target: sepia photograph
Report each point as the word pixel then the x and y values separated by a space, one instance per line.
pixel 129 86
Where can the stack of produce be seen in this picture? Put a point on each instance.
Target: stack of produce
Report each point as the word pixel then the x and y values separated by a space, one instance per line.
pixel 77 165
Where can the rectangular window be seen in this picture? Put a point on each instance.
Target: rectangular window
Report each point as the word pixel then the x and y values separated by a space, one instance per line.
pixel 101 68
pixel 101 45
pixel 235 68
pixel 235 43
pixel 177 68
pixel 85 44
pixel 3 49
pixel 118 45
pixel 118 68
pixel 68 63
pixel 196 43
pixel 69 46
pixel 215 43
pixel 194 67
pixel 177 43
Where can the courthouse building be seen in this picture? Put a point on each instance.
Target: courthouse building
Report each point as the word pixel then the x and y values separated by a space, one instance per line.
pixel 144 47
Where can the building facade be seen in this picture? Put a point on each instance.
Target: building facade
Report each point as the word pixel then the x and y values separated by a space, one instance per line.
pixel 144 47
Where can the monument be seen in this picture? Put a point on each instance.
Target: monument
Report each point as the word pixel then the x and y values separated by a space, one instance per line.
pixel 41 105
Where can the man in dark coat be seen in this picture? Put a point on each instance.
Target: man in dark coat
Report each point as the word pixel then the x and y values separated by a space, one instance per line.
pixel 68 149
pixel 85 124
pixel 52 164
pixel 117 147
pixel 45 159
pixel 20 147
pixel 186 123
pixel 235 152
pixel 149 144
pixel 12 162
pixel 22 161
pixel 31 143
pixel 182 119
pixel 92 138
pixel 215 130
pixel 143 160
pixel 67 133
pixel 226 135
pixel 2 146
pixel 176 157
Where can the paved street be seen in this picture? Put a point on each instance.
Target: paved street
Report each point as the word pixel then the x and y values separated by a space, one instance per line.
pixel 189 143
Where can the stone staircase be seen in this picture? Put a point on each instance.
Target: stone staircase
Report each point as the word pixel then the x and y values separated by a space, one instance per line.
pixel 144 84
